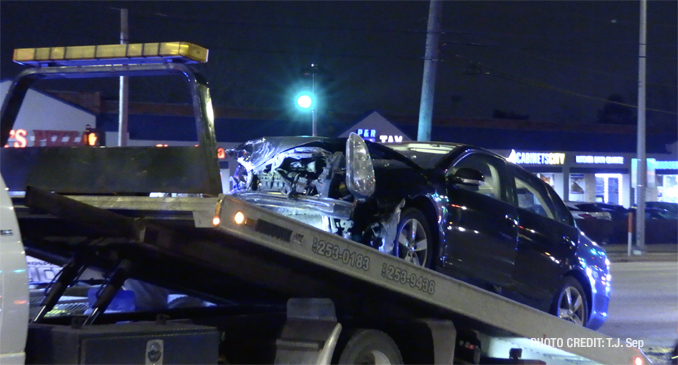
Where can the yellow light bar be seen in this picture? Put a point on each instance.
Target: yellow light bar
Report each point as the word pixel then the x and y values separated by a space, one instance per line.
pixel 182 52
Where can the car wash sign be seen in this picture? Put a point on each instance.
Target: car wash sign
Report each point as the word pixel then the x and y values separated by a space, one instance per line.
pixel 536 158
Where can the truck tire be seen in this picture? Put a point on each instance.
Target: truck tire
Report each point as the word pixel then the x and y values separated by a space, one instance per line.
pixel 367 346
pixel 570 302
pixel 413 242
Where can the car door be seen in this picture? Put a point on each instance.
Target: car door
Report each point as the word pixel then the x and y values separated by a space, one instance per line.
pixel 479 223
pixel 546 238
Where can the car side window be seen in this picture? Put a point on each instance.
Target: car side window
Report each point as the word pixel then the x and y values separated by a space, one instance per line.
pixel 562 213
pixel 532 196
pixel 489 167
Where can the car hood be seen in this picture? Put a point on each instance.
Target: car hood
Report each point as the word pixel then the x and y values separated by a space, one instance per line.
pixel 254 153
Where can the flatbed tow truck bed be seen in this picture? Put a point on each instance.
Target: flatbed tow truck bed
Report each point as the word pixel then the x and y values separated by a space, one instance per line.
pixel 270 256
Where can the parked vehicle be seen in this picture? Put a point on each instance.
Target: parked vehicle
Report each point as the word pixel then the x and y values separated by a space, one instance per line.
pixel 668 206
pixel 661 225
pixel 661 221
pixel 593 220
pixel 581 210
pixel 615 211
pixel 459 209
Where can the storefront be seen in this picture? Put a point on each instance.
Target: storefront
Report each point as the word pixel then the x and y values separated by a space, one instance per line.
pixel 600 178
pixel 667 180
pixel 548 166
pixel 578 176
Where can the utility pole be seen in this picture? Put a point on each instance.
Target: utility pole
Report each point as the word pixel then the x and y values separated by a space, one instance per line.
pixel 314 121
pixel 641 188
pixel 430 66
pixel 124 85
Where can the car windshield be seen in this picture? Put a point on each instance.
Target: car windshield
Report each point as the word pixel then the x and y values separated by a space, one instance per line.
pixel 423 154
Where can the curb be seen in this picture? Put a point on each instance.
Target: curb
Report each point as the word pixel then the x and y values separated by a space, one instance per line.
pixel 653 252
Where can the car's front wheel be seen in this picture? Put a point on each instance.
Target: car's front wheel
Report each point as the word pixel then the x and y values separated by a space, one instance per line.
pixel 413 238
pixel 570 302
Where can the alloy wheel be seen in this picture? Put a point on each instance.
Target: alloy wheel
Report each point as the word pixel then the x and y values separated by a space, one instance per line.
pixel 413 242
pixel 571 306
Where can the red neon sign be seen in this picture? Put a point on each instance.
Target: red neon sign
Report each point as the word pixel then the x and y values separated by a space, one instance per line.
pixel 19 137
pixel 49 138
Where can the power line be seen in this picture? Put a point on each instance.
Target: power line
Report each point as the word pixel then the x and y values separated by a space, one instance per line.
pixel 416 58
pixel 326 55
pixel 480 68
pixel 584 38
pixel 494 71
pixel 587 69
pixel 160 16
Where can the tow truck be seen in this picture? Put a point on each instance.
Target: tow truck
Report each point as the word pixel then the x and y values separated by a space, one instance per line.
pixel 272 289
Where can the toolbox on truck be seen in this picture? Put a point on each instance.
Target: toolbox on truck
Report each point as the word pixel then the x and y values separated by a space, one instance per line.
pixel 122 343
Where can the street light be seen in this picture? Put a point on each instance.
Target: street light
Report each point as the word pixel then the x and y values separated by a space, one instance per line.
pixel 308 100
pixel 305 100
pixel 316 79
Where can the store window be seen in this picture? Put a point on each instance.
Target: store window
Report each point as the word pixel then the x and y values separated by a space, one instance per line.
pixel 608 187
pixel 577 188
pixel 548 178
pixel 668 191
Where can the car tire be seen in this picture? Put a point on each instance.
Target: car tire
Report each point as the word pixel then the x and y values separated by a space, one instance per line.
pixel 366 346
pixel 413 238
pixel 570 302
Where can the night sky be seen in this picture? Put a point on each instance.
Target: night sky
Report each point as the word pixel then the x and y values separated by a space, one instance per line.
pixel 554 61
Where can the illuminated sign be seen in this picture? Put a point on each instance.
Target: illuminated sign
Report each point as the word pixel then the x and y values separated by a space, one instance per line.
pixel 19 137
pixel 371 135
pixel 49 138
pixel 666 165
pixel 608 160
pixel 536 158
pixel 367 134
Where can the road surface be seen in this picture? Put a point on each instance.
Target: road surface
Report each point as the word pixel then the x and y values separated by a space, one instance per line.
pixel 644 304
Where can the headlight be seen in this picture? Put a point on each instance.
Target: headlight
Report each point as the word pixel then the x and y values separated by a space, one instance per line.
pixel 360 179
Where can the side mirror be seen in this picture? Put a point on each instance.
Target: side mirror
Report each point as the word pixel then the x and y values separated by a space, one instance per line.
pixel 360 180
pixel 467 176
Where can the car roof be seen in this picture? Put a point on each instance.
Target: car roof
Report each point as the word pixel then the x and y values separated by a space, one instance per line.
pixel 434 149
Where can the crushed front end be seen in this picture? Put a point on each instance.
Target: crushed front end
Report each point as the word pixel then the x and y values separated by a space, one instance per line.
pixel 323 182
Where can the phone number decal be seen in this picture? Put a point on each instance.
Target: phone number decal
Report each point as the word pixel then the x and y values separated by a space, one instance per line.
pixel 400 275
pixel 336 253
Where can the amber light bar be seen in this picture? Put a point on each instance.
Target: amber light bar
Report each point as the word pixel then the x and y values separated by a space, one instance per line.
pixel 182 52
